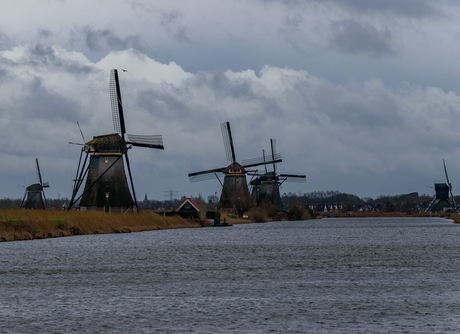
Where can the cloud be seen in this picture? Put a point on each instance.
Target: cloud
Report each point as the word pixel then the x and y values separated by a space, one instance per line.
pixel 407 8
pixel 357 37
pixel 100 39
pixel 362 96
pixel 170 20
pixel 5 42
pixel 324 130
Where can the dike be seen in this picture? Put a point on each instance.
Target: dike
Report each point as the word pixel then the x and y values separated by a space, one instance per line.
pixel 21 224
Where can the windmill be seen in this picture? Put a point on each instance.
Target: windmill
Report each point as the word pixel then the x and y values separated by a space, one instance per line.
pixel 106 182
pixel 442 191
pixel 34 197
pixel 234 187
pixel 266 187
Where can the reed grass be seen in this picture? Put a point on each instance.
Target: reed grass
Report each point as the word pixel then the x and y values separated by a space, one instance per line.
pixel 21 224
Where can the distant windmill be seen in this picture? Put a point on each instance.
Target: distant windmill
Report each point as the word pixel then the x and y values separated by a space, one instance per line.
pixel 442 191
pixel 266 187
pixel 106 183
pixel 235 186
pixel 34 197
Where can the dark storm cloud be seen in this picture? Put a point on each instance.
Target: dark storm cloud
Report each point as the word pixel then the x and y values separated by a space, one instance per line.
pixel 5 42
pixel 224 87
pixel 104 39
pixel 356 37
pixel 44 33
pixel 166 104
pixel 40 55
pixel 409 8
pixel 242 90
pixel 170 21
pixel 43 104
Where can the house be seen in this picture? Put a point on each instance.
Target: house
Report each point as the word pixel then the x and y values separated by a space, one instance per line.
pixel 188 209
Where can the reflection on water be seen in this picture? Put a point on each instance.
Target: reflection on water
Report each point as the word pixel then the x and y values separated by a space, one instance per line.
pixel 334 275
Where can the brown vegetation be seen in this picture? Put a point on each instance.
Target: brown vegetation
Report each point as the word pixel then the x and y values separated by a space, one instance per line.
pixel 21 224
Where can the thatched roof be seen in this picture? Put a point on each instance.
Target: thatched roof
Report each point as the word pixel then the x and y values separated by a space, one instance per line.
pixel 106 143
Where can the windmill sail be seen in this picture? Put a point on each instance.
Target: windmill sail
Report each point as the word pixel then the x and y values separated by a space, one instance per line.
pixel 117 104
pixel 149 141
pixel 228 141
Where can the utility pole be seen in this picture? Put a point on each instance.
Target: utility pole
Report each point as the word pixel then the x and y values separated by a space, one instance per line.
pixel 171 193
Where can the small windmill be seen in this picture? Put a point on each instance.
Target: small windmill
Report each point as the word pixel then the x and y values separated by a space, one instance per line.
pixel 266 187
pixel 34 197
pixel 442 191
pixel 234 187
pixel 106 183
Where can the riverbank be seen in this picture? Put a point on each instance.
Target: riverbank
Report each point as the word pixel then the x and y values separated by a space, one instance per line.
pixel 20 224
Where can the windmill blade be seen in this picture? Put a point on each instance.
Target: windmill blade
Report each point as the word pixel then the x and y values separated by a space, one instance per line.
pixel 261 160
pixel 293 178
pixel 228 141
pixel 72 143
pixel 450 186
pixel 131 180
pixel 117 105
pixel 81 132
pixel 151 141
pixel 445 171
pixel 38 172
pixel 263 154
pixel 206 175
pixel 273 148
pixel 43 199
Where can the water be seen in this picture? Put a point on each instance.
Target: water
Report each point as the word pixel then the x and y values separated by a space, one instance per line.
pixel 329 276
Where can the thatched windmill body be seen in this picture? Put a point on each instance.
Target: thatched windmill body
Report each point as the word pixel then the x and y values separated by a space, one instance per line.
pixel 34 197
pixel 107 184
pixel 266 187
pixel 234 186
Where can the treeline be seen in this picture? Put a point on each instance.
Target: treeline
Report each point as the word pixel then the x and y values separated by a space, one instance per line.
pixel 338 201
pixel 316 200
pixel 62 203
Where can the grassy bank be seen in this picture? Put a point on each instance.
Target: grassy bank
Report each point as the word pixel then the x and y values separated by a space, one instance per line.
pixel 20 224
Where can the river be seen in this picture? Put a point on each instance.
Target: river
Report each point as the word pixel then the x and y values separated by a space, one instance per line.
pixel 378 275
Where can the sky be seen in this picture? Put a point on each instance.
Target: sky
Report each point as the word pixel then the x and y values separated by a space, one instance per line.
pixel 362 96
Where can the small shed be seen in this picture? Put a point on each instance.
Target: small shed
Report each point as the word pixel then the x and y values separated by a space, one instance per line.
pixel 188 209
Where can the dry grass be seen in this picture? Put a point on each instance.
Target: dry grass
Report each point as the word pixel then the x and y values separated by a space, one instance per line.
pixel 455 217
pixel 20 224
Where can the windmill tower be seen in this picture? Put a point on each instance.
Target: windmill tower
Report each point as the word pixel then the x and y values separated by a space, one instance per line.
pixel 234 187
pixel 106 184
pixel 442 191
pixel 34 197
pixel 266 187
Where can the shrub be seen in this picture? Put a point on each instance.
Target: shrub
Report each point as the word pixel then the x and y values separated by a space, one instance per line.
pixel 294 213
pixel 258 215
